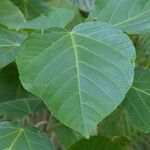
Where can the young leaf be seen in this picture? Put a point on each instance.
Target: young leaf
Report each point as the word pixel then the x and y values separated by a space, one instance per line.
pixel 10 14
pixel 31 8
pixel 137 102
pixel 79 74
pixel 54 18
pixel 9 46
pixel 131 16
pixel 102 143
pixel 13 137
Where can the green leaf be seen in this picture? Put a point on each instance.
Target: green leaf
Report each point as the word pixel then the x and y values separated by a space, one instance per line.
pixel 10 14
pixel 13 137
pixel 137 102
pixel 85 5
pixel 31 8
pixel 14 100
pixel 24 106
pixel 54 18
pixel 131 16
pixel 10 85
pixel 102 143
pixel 60 4
pixel 79 74
pixel 116 124
pixel 143 50
pixel 9 46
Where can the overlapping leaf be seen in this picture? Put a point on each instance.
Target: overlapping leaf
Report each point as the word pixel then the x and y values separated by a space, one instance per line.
pixel 24 106
pixel 31 8
pixel 54 18
pixel 10 14
pixel 117 124
pixel 137 101
pixel 16 138
pixel 9 46
pixel 143 50
pixel 132 16
pixel 79 74
pixel 102 143
pixel 14 100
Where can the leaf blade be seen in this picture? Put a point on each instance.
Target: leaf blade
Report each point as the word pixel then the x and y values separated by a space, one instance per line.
pixel 80 107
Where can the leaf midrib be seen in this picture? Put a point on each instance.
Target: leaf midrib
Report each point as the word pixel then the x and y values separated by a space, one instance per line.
pixel 78 76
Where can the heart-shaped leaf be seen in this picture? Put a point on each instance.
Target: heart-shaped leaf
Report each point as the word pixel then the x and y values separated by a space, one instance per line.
pixel 82 75
pixel 13 137
pixel 132 16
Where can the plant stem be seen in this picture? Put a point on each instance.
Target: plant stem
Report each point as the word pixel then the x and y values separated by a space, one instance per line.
pixel 40 124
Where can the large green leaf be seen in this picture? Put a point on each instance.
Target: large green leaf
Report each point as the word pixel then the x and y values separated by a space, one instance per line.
pixel 79 74
pixel 31 8
pixel 137 101
pixel 85 5
pixel 116 124
pixel 10 14
pixel 9 46
pixel 102 143
pixel 13 137
pixel 132 16
pixel 54 18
